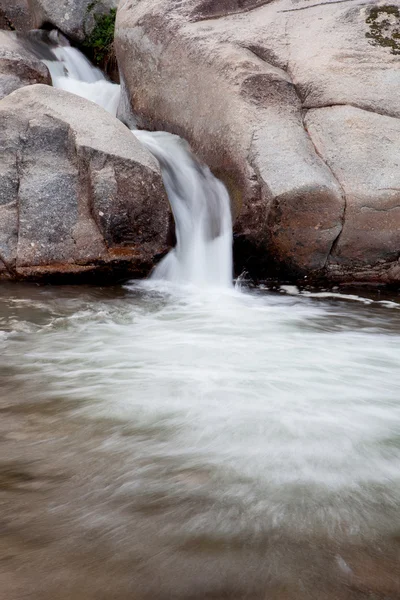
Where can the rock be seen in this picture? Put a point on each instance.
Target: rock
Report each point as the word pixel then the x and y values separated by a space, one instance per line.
pixel 75 18
pixel 5 23
pixel 237 79
pixel 363 151
pixel 18 67
pixel 15 14
pixel 78 193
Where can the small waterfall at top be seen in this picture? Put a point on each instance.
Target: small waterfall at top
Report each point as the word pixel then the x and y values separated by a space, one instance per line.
pixel 71 71
pixel 199 201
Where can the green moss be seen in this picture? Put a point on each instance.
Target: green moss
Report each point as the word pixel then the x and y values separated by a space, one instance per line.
pixel 384 27
pixel 99 44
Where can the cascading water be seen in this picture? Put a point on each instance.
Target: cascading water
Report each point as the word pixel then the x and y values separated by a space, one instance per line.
pixel 199 201
pixel 201 207
pixel 71 71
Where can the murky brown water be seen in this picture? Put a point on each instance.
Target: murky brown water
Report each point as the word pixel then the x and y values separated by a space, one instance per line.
pixel 155 446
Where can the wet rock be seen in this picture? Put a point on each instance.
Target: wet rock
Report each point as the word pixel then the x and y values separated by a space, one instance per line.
pixel 237 79
pixel 79 196
pixel 18 67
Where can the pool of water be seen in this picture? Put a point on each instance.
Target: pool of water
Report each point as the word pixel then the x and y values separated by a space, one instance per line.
pixel 166 442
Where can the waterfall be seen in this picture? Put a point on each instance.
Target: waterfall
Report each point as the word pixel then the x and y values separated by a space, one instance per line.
pixel 71 71
pixel 201 208
pixel 199 201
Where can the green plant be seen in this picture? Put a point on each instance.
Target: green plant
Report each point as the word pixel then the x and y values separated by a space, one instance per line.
pixel 99 43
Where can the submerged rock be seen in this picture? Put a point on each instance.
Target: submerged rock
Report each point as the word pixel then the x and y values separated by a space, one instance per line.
pixel 248 84
pixel 18 67
pixel 78 193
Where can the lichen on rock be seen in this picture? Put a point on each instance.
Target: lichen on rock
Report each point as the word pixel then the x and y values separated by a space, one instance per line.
pixel 384 27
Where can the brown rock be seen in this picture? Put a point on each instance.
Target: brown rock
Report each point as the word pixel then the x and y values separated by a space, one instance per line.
pixel 15 15
pixel 75 18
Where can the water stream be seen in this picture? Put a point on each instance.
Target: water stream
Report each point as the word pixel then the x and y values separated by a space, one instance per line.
pixel 199 201
pixel 201 441
pixel 71 71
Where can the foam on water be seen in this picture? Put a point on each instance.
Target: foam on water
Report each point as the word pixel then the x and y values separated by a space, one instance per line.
pixel 290 404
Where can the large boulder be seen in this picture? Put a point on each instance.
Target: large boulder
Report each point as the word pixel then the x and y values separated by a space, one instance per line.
pixel 78 193
pixel 18 67
pixel 251 83
pixel 75 18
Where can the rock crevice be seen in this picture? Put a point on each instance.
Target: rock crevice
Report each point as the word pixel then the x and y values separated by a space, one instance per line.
pixel 318 4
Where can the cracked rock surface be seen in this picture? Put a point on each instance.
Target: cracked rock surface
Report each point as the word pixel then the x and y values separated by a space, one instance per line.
pixel 294 108
pixel 78 193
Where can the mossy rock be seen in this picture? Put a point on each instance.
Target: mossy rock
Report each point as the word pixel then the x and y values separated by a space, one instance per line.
pixel 384 27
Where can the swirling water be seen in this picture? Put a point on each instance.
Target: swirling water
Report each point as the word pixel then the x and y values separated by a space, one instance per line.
pixel 242 417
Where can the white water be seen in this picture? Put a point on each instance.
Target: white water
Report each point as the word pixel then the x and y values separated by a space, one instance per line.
pixel 201 207
pixel 259 414
pixel 73 73
pixel 287 406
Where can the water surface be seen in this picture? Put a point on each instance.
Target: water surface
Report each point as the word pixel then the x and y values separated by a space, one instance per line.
pixel 166 442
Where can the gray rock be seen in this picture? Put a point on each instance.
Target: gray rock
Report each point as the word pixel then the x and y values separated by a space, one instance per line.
pixel 78 193
pixel 75 18
pixel 236 79
pixel 18 67
pixel 363 151
pixel 15 14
